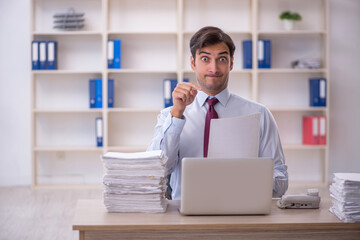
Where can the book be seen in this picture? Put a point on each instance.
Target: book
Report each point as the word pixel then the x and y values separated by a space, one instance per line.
pixel 317 92
pixel 310 130
pixel 168 87
pixel 51 55
pixel 99 131
pixel 247 54
pixel 110 93
pixel 264 53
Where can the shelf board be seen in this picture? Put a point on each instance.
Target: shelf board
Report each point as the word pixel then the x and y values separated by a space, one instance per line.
pixel 68 149
pixel 127 148
pixel 297 109
pixel 243 71
pixel 228 32
pixel 69 186
pixel 141 33
pixel 94 110
pixel 56 72
pixel 291 70
pixel 303 147
pixel 134 110
pixel 292 32
pixel 140 71
pixel 68 33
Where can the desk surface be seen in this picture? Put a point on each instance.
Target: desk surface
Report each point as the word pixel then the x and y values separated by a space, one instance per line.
pixel 91 215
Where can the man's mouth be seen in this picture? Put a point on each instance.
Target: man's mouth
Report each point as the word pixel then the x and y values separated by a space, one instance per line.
pixel 213 75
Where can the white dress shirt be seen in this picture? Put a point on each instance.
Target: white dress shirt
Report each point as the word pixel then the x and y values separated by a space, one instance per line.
pixel 180 138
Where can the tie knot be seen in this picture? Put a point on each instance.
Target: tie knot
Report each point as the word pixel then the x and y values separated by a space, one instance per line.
pixel 212 101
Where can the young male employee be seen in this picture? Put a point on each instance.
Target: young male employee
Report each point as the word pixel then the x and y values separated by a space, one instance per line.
pixel 180 129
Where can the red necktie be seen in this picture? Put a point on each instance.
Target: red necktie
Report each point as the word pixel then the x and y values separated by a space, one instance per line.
pixel 211 113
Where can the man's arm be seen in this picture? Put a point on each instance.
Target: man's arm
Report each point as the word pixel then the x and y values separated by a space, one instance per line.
pixel 171 122
pixel 167 137
pixel 270 146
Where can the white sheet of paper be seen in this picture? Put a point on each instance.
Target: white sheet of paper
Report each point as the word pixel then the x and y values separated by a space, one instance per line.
pixel 235 137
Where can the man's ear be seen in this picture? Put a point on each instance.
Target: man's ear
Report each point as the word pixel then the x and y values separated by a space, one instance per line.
pixel 192 60
pixel 232 63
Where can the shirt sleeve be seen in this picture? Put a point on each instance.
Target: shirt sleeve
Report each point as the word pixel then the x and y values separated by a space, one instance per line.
pixel 167 137
pixel 270 146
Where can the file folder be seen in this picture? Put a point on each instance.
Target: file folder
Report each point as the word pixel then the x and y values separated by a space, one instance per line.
pixel 51 55
pixel 35 55
pixel 92 93
pixel 99 131
pixel 43 55
pixel 110 93
pixel 264 54
pixel 322 130
pixel 98 93
pixel 110 54
pixel 117 53
pixel 247 54
pixel 310 130
pixel 168 87
pixel 317 92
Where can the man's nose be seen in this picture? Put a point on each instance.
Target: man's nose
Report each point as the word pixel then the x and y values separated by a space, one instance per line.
pixel 213 66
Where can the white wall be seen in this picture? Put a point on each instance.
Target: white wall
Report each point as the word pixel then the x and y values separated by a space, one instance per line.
pixel 15 166
pixel 345 86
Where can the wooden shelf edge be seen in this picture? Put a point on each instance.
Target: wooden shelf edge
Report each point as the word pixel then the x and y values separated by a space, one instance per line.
pixel 98 110
pixel 298 109
pixel 67 149
pixel 304 147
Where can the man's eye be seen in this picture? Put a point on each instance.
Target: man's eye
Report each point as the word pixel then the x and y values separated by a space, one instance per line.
pixel 204 59
pixel 223 59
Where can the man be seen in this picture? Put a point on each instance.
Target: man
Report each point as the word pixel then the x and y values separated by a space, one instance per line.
pixel 180 129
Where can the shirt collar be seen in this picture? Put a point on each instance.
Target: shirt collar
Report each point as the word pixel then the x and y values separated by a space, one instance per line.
pixel 223 97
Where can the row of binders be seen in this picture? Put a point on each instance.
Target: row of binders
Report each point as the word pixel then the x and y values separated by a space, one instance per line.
pixel 345 195
pixel 44 55
pixel 317 92
pixel 135 182
pixel 96 99
pixel 96 95
pixel 314 130
pixel 263 54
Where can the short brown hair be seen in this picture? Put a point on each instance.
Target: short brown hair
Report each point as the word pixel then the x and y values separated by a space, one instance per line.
pixel 208 36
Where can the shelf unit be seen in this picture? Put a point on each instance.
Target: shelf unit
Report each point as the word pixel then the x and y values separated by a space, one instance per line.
pixel 155 37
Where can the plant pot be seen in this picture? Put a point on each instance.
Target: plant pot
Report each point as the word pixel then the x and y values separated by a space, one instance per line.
pixel 288 24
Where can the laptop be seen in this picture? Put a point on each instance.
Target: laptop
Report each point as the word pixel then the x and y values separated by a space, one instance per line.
pixel 222 186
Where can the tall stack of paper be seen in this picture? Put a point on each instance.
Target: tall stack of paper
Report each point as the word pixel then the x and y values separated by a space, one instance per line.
pixel 135 182
pixel 345 193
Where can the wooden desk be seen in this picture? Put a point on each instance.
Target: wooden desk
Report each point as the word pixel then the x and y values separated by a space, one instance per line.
pixel 93 222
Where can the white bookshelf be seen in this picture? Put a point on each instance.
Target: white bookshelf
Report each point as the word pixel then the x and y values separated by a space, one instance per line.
pixel 155 45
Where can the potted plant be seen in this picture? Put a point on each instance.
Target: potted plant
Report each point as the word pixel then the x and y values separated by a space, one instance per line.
pixel 289 18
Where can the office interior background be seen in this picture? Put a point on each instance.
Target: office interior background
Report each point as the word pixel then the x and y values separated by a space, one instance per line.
pixel 16 108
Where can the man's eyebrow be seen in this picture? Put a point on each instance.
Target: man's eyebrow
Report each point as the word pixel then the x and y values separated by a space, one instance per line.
pixel 221 53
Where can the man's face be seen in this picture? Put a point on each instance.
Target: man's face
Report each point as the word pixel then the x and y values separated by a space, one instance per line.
pixel 212 66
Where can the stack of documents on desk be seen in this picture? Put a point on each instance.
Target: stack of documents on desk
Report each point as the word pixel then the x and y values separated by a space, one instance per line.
pixel 135 182
pixel 345 193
